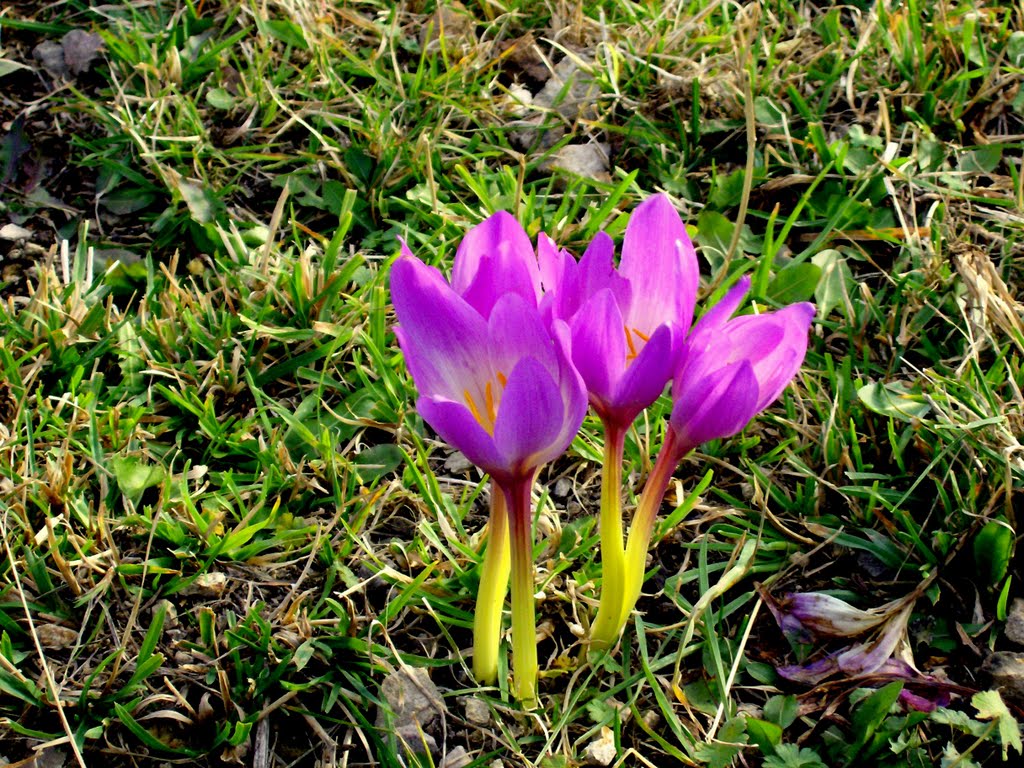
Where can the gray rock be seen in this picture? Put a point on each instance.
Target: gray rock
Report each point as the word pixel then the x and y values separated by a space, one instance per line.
pixel 1006 668
pixel 1015 622
pixel 587 160
pixel 456 758
pixel 414 708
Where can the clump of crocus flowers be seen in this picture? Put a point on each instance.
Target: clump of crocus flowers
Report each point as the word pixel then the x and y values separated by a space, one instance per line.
pixel 507 355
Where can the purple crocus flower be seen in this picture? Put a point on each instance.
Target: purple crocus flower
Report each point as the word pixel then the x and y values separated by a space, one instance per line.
pixel 732 369
pixel 728 371
pixel 627 327
pixel 496 381
pixel 627 323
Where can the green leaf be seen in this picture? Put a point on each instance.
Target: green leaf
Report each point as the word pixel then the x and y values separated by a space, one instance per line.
pixel 836 285
pixel 7 67
pixel 993 549
pixel 782 710
pixel 894 399
pixel 983 159
pixel 375 462
pixel 764 734
pixel 134 476
pixel 873 710
pixel 792 756
pixel 793 283
pixel 288 32
pixel 990 706
pixel 219 98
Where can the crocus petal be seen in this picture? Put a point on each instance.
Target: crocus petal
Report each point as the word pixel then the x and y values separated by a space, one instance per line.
pixel 715 406
pixel 724 308
pixel 530 417
pixel 866 658
pixel 443 338
pixel 599 347
pixel 597 272
pixel 810 674
pixel 646 377
pixel 660 263
pixel 515 331
pixel 454 422
pixel 828 616
pixel 574 391
pixel 775 344
pixel 494 258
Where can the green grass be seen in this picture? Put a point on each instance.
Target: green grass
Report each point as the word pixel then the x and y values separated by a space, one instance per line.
pixel 224 524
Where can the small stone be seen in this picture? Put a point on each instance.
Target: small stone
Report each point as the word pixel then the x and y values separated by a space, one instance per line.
pixel 457 758
pixel 50 56
pixel 209 584
pixel 413 705
pixel 457 463
pixel 562 487
pixel 601 751
pixel 477 711
pixel 452 23
pixel 589 161
pixel 1006 668
pixel 14 232
pixel 1015 622
pixel 55 636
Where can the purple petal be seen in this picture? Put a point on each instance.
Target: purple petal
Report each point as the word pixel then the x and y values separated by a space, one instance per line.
pixel 868 657
pixel 516 331
pixel 494 258
pixel 718 405
pixel 774 343
pixel 924 702
pixel 598 273
pixel 454 422
pixel 660 263
pixel 724 308
pixel 828 616
pixel 444 339
pixel 810 674
pixel 646 376
pixel 599 347
pixel 530 417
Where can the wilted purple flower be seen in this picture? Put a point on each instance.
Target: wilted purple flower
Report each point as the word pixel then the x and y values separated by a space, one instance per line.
pixel 885 654
pixel 806 615
pixel 732 369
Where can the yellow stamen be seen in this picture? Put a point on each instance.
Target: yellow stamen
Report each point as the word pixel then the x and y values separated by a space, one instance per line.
pixel 472 407
pixel 492 413
pixel 629 342
pixel 489 415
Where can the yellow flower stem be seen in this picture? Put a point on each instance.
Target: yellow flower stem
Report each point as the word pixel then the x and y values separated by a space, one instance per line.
pixel 606 627
pixel 642 527
pixel 524 625
pixel 490 599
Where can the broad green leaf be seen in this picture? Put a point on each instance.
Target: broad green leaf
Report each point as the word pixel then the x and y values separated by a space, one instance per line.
pixel 764 734
pixel 993 548
pixel 873 710
pixel 894 399
pixel 134 476
pixel 836 285
pixel 990 706
pixel 795 282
